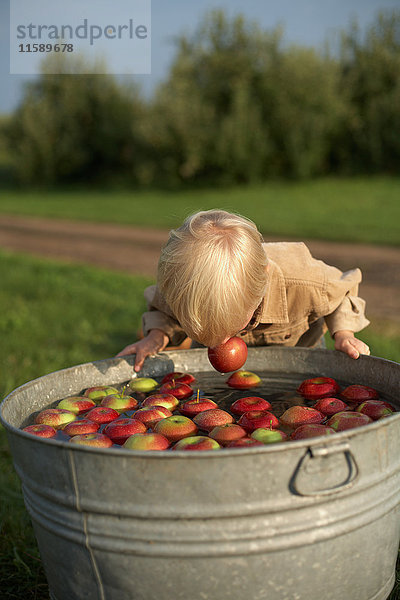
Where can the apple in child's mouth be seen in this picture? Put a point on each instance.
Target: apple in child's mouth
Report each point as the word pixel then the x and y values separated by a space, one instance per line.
pixel 229 356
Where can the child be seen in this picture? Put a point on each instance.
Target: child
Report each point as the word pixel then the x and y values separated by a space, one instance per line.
pixel 216 278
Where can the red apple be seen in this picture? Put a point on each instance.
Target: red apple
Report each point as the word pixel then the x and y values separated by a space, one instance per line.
pixel 98 440
pixel 208 419
pixel 330 406
pixel 44 431
pixel 102 414
pixel 146 441
pixel 176 427
pixel 228 357
pixel 269 436
pixel 150 415
pixel 254 419
pixel 359 393
pixel 193 407
pixel 196 442
pixel 76 404
pixel 347 420
pixel 166 400
pixel 98 392
pixel 179 390
pixel 224 434
pixel 81 426
pixel 178 377
pixel 318 387
pixel 375 409
pixel 119 402
pixel 56 417
pixel 244 442
pixel 119 430
pixel 310 430
pixel 299 415
pixel 243 380
pixel 243 405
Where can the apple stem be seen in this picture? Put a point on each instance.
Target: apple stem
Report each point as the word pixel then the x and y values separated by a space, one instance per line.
pixel 198 394
pixel 270 424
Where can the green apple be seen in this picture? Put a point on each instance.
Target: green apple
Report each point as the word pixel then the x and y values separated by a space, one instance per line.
pixel 143 384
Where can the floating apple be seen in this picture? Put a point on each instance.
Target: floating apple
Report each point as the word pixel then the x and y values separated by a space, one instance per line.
pixel 81 426
pixel 318 387
pixel 150 415
pixel 119 402
pixel 193 407
pixel 228 357
pixel 44 431
pixel 102 414
pixel 243 380
pixel 254 419
pixel 330 406
pixel 224 434
pixel 244 442
pixel 347 420
pixel 375 409
pixel 55 417
pixel 146 441
pixel 166 400
pixel 98 392
pixel 178 377
pixel 143 384
pixel 268 436
pixel 197 442
pixel 208 419
pixel 299 415
pixel 176 427
pixel 98 440
pixel 359 393
pixel 311 430
pixel 77 404
pixel 243 405
pixel 119 430
pixel 179 390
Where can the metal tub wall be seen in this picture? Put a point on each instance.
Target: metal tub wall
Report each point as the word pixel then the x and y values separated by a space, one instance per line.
pixel 304 520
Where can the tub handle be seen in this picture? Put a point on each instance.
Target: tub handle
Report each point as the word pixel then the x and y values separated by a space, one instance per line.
pixel 303 475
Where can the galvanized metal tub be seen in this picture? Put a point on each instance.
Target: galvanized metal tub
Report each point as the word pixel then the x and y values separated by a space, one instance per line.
pixel 304 520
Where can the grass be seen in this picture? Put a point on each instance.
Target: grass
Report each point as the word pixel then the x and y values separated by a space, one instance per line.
pixel 39 336
pixel 362 209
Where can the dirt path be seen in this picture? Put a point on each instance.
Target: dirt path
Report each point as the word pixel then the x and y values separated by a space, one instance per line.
pixel 136 250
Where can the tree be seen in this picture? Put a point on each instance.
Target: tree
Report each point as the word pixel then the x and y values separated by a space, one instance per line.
pixel 71 127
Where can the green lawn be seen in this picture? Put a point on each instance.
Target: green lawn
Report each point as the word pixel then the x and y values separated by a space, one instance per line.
pixel 359 209
pixel 39 336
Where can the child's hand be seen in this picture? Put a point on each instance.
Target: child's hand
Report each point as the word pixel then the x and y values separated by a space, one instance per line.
pixel 154 342
pixel 347 343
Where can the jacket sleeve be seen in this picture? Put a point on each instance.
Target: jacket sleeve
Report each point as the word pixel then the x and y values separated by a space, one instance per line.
pixel 159 316
pixel 346 310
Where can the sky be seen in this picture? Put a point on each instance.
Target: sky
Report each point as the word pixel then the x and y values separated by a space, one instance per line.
pixel 307 22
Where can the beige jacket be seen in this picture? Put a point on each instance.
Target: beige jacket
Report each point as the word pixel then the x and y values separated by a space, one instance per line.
pixel 304 298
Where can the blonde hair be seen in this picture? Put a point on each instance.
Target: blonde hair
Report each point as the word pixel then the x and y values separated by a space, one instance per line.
pixel 212 273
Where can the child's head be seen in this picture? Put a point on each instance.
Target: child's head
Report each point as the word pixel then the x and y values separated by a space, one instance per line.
pixel 212 273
